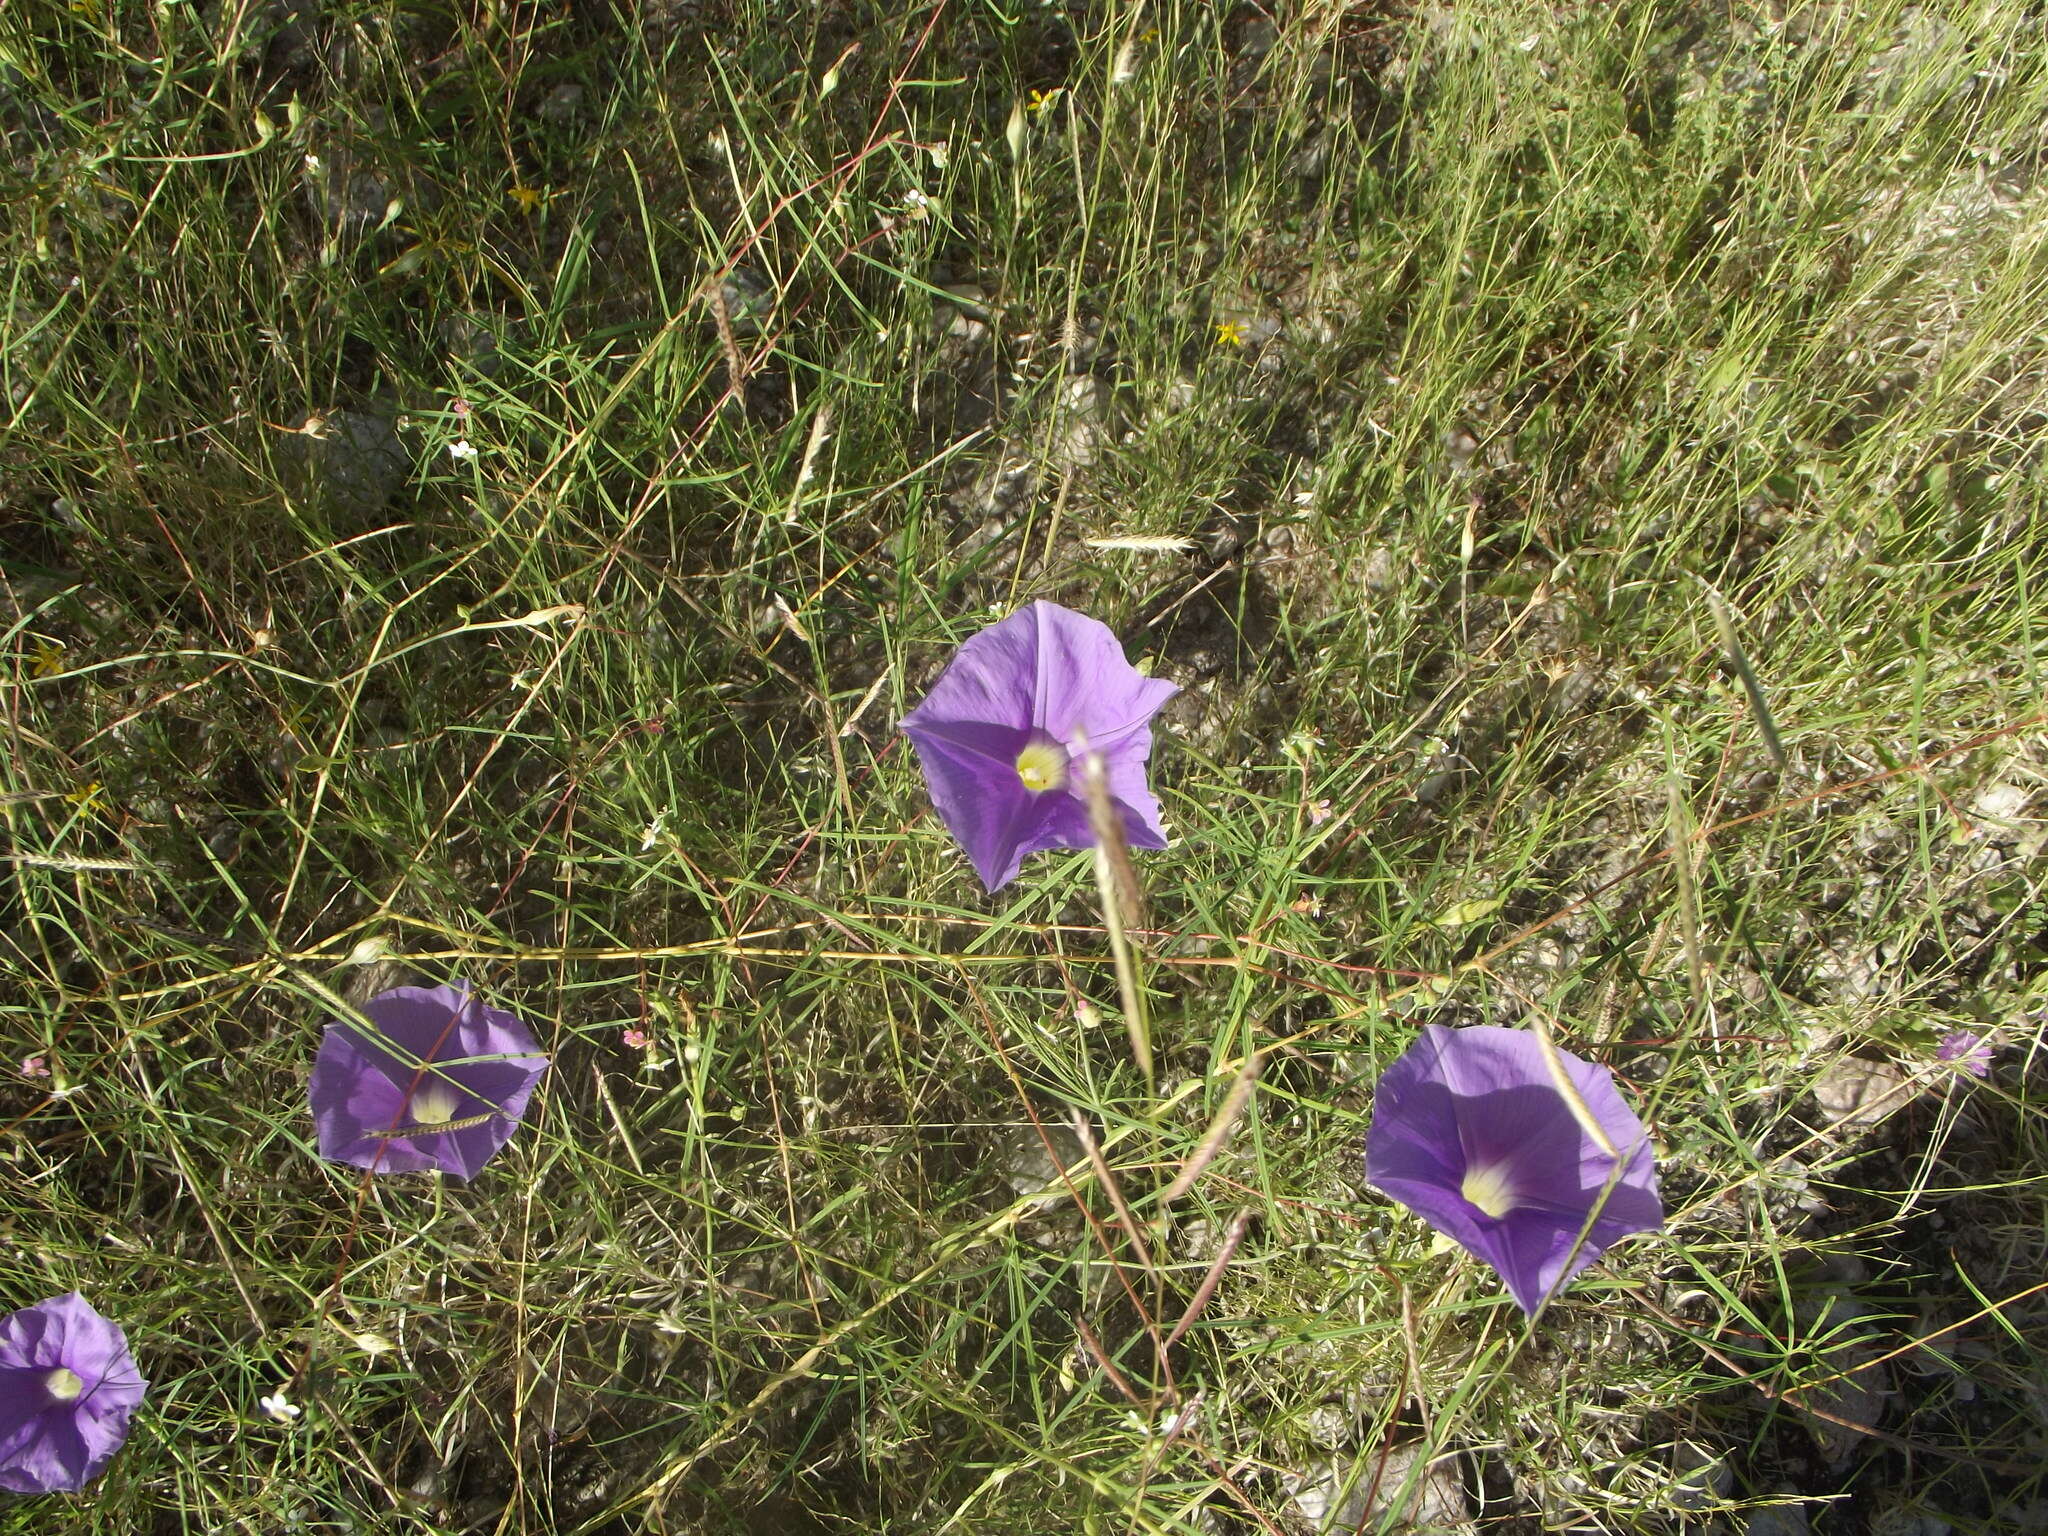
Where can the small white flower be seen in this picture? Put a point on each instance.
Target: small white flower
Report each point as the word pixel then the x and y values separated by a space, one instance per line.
pixel 654 830
pixel 281 1408
pixel 1184 1418
pixel 461 451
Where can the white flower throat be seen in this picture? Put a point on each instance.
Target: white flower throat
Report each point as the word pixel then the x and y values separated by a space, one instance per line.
pixel 64 1384
pixel 435 1104
pixel 1490 1187
pixel 431 1111
pixel 1042 765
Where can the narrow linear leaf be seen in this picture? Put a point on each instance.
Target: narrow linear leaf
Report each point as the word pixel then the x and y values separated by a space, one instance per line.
pixel 1738 660
pixel 1221 1128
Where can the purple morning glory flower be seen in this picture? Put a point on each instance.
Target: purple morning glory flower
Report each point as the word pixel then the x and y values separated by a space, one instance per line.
pixel 1470 1132
pixel 67 1388
pixel 999 738
pixel 442 1085
pixel 1970 1051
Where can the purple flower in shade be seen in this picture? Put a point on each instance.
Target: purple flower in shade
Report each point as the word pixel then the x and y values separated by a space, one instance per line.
pixel 1968 1050
pixel 1470 1131
pixel 67 1388
pixel 999 737
pixel 441 1084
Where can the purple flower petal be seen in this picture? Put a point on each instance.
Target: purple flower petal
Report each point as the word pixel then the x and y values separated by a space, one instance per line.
pixel 989 680
pixel 1470 1132
pixel 68 1387
pixel 1041 682
pixel 1123 766
pixel 1970 1051
pixel 983 803
pixel 376 1106
pixel 1083 684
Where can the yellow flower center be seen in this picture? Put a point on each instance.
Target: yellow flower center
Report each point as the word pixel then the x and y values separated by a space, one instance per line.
pixel 1489 1188
pixel 434 1104
pixel 64 1384
pixel 1042 765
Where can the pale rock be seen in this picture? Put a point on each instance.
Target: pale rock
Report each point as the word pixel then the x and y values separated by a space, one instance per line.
pixel 1382 572
pixel 969 298
pixel 2002 804
pixel 1776 1520
pixel 562 104
pixel 1028 1168
pixel 1854 974
pixel 1258 38
pixel 1856 1094
pixel 1857 1398
pixel 1699 1478
pixel 1854 1396
pixel 1083 430
pixel 349 463
pixel 1328 1425
pixel 351 204
pixel 1437 1504
pixel 749 300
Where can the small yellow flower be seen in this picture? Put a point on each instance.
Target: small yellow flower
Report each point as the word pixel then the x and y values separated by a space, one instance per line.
pixel 86 797
pixel 1230 333
pixel 1040 100
pixel 48 660
pixel 528 198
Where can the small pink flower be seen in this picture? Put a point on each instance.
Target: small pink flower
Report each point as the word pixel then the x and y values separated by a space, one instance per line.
pixel 1967 1052
pixel 637 1039
pixel 35 1066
